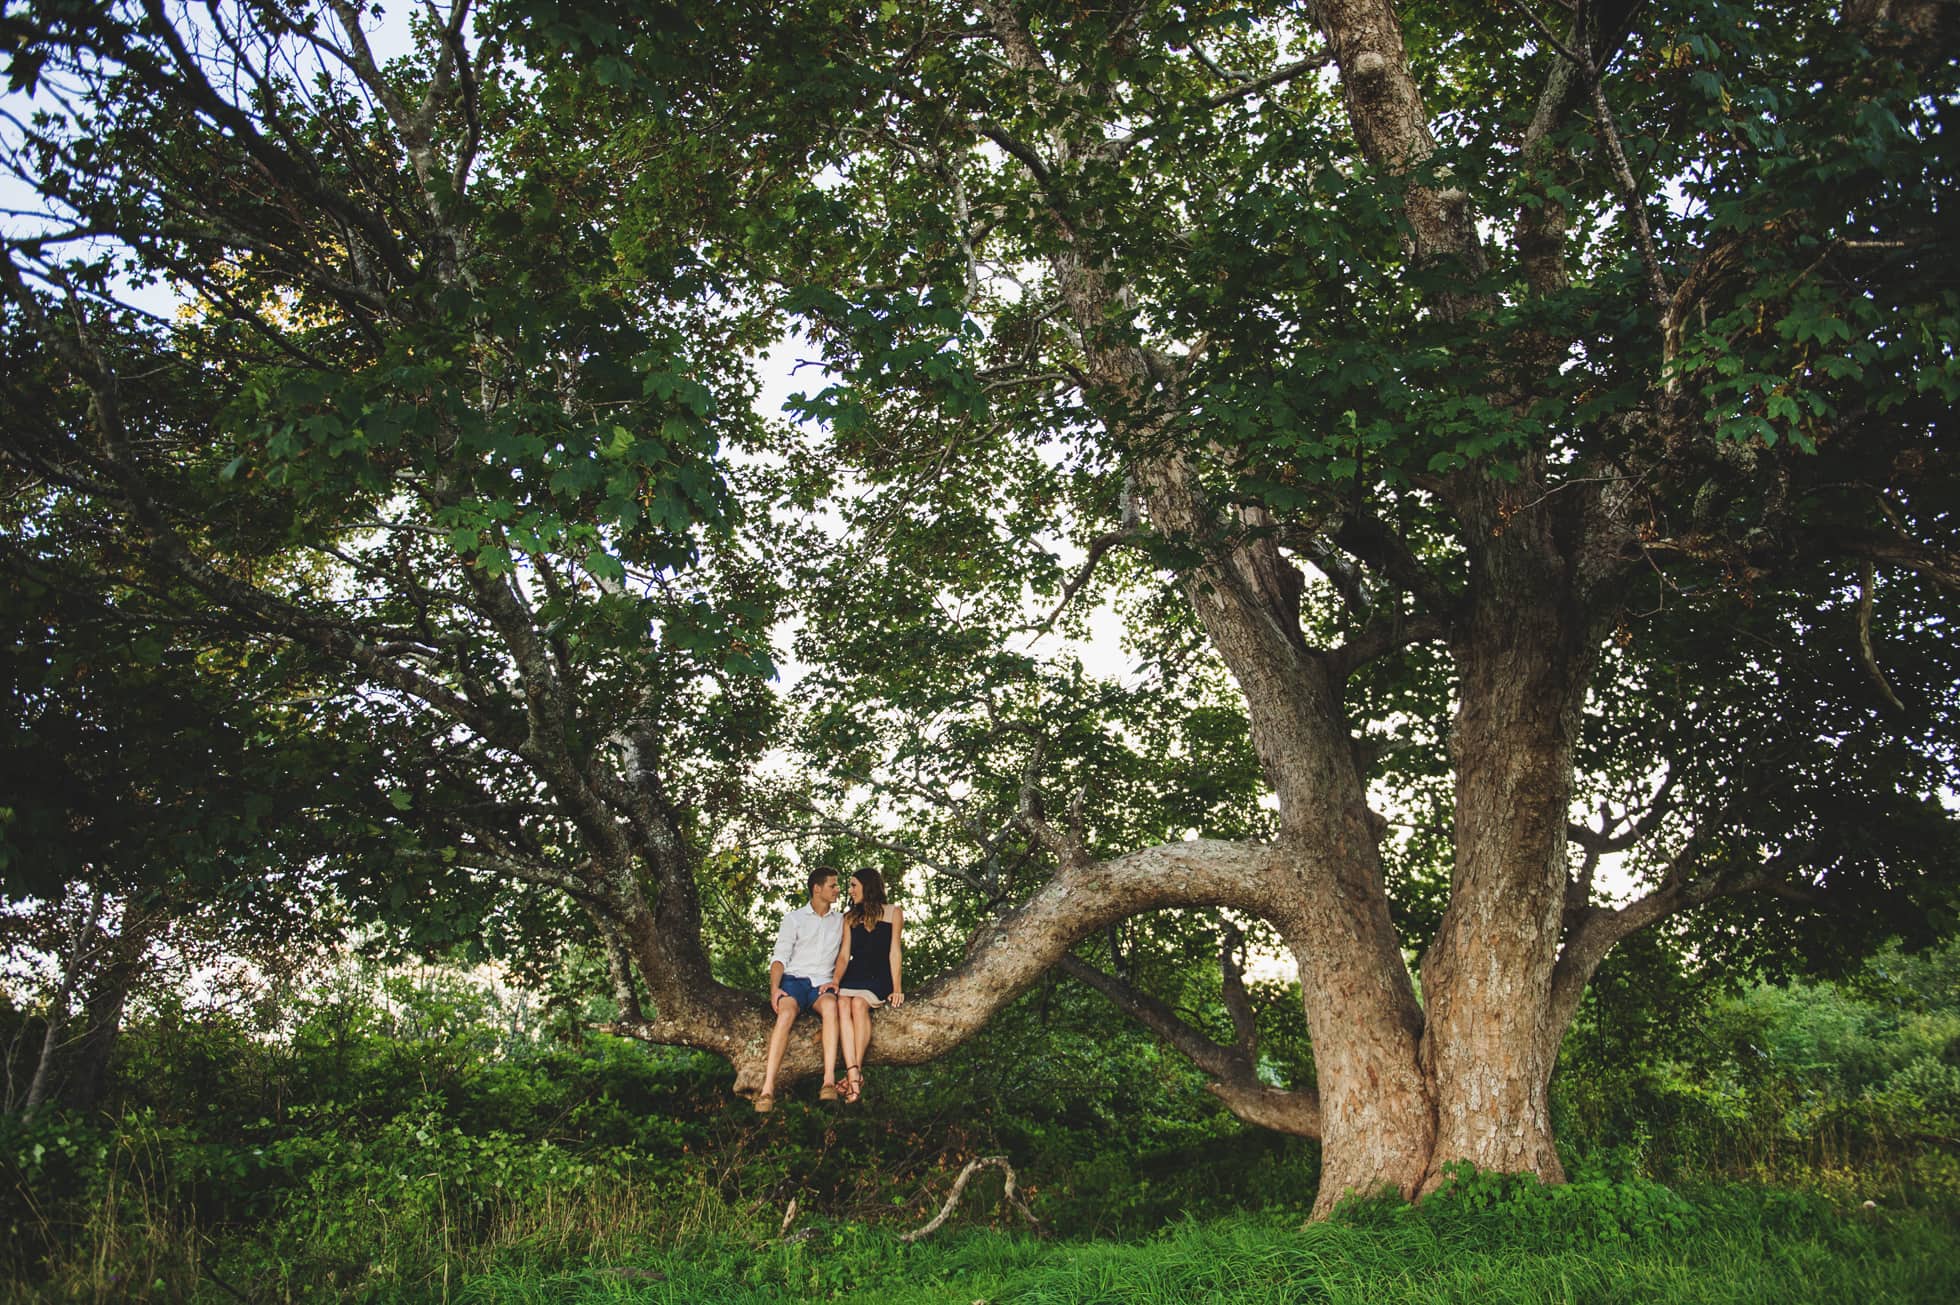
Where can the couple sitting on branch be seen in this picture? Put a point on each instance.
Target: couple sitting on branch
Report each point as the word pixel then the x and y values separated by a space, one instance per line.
pixel 842 963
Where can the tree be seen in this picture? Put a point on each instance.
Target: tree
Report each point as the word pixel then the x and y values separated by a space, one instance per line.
pixel 1422 355
pixel 1582 384
pixel 416 429
pixel 168 794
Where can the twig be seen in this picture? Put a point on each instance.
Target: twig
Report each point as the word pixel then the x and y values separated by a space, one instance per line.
pixel 1097 547
pixel 1630 192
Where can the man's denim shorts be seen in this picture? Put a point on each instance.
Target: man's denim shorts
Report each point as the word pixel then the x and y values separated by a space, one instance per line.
pixel 803 991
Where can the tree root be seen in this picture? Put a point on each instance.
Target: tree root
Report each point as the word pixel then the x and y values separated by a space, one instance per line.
pixel 959 1188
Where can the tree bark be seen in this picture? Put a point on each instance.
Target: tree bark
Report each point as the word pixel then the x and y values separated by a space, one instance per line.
pixel 85 1081
pixel 1524 655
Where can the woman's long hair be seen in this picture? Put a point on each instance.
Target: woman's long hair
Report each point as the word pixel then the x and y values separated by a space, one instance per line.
pixel 871 910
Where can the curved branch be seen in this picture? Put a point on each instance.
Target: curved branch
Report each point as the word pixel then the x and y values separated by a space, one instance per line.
pixel 1383 635
pixel 1012 1196
pixel 1865 579
pixel 1382 549
pixel 1007 956
pixel 1100 545
pixel 1619 837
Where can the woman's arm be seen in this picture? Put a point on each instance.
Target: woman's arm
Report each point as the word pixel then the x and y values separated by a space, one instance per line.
pixel 898 988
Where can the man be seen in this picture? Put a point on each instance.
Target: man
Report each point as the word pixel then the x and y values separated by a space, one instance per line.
pixel 800 976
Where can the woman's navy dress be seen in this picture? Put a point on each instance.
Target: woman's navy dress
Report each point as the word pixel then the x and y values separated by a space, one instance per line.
pixel 870 966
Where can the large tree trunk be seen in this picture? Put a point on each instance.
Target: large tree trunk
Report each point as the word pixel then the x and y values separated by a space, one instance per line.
pixel 1524 655
pixel 1361 1010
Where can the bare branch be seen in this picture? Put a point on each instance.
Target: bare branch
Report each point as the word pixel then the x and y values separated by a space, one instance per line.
pixel 1865 579
pixel 1600 928
pixel 1247 86
pixel 1019 149
pixel 1630 198
pixel 1097 548
pixel 1614 838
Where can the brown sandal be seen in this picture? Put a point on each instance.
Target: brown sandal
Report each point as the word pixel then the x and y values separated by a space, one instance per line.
pixel 765 1102
pixel 853 1088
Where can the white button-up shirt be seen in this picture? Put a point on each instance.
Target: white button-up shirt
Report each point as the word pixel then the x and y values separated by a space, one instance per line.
pixel 807 943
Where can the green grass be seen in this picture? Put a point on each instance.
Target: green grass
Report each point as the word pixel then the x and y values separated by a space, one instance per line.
pixel 1734 1245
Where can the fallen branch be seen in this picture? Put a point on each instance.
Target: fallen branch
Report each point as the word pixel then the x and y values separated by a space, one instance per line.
pixel 959 1188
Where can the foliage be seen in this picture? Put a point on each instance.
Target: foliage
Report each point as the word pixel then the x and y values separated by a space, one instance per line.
pixel 401 1129
pixel 419 454
pixel 1657 394
pixel 1849 1089
pixel 1741 1246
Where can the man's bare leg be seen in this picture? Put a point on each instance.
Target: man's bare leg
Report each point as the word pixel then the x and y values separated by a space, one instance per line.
pixel 778 1043
pixel 827 1008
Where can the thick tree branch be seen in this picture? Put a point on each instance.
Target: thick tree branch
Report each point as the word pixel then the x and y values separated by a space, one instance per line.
pixel 1008 955
pixel 1602 927
pixel 1020 150
pixel 1388 632
pixel 1382 549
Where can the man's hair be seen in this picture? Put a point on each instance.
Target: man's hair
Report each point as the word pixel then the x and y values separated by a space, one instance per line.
pixel 820 874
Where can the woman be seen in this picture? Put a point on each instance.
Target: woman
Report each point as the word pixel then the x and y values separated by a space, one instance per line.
pixel 867 971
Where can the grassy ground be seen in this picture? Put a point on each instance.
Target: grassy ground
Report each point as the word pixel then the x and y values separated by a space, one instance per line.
pixel 1730 1245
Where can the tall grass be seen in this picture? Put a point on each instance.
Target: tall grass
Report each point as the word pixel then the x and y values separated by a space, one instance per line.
pixel 398 1158
pixel 1726 1245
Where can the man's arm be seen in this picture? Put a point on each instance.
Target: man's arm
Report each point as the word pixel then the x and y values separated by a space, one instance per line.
pixel 785 936
pixel 843 960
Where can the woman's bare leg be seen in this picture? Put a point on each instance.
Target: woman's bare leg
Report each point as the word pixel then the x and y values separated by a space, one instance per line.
pixel 862 1023
pixel 847 1020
